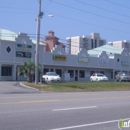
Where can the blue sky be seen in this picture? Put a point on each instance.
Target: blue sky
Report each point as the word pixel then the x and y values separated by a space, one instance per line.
pixel 71 17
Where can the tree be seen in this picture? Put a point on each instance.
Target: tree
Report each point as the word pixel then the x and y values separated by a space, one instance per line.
pixel 28 69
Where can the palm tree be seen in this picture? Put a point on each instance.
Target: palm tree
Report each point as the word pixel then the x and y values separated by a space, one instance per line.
pixel 28 69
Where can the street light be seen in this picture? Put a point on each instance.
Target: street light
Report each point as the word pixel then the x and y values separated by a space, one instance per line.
pixel 50 15
pixel 40 14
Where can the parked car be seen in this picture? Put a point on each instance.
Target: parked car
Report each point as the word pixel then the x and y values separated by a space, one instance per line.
pixel 121 76
pixel 98 77
pixel 51 76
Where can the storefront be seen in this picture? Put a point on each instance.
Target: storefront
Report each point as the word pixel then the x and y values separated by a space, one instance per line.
pixel 20 48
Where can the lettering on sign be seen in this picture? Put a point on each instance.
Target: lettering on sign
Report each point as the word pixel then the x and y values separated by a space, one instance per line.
pixel 83 59
pixel 125 63
pixel 59 57
pixel 104 61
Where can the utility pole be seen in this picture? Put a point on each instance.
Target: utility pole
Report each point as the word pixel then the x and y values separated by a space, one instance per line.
pixel 40 14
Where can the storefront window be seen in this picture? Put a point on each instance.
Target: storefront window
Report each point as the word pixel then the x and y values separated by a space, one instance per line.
pixel 82 74
pixel 102 72
pixel 6 71
pixel 92 72
pixel 59 72
pixel 71 72
pixel 21 73
pixel 52 70
pixel 111 75
pixel 45 70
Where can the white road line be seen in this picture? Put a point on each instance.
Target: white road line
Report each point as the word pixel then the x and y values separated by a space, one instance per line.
pixel 65 109
pixel 85 125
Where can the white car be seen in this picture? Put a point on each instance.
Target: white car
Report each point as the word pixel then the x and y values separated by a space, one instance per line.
pixel 98 77
pixel 51 76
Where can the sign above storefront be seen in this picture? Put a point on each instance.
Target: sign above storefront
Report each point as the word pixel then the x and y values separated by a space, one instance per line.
pixel 23 54
pixel 125 63
pixel 83 59
pixel 104 61
pixel 59 57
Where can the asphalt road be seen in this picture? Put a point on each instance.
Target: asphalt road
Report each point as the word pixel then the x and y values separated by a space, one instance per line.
pixel 62 111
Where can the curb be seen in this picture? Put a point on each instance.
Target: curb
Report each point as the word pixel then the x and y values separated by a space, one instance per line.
pixel 21 83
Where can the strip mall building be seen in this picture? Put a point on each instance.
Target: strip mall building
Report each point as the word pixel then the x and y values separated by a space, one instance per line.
pixel 18 48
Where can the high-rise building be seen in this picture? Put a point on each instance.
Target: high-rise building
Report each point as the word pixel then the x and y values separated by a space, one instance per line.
pixel 86 42
pixel 121 44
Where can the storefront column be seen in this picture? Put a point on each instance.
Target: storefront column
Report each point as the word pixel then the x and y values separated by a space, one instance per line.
pixel 42 72
pixel 63 75
pixel 113 75
pixel 87 75
pixel 76 75
pixel 0 71
pixel 42 69
pixel 14 72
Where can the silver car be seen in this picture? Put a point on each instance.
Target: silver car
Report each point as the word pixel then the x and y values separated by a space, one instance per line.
pixel 122 77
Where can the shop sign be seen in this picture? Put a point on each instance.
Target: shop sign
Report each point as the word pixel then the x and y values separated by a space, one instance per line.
pixel 59 57
pixel 83 59
pixel 104 61
pixel 125 63
pixel 23 54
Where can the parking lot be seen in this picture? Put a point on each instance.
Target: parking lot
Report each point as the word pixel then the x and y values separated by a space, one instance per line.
pixel 14 87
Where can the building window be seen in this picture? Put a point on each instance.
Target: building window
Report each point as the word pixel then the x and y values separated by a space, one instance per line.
pixel 82 74
pixel 101 42
pixel 59 72
pixel 21 73
pixel 6 71
pixel 95 43
pixel 102 72
pixel 71 72
pixel 45 70
pixel 92 44
pixel 52 70
pixel 92 72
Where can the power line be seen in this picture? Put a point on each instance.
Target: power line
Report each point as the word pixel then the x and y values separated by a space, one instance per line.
pixel 102 8
pixel 117 4
pixel 90 23
pixel 59 39
pixel 78 21
pixel 90 12
pixel 22 13
pixel 17 8
pixel 47 5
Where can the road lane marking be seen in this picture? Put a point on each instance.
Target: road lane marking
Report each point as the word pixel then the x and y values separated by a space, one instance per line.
pixel 85 125
pixel 41 95
pixel 76 108
pixel 27 102
pixel 66 100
